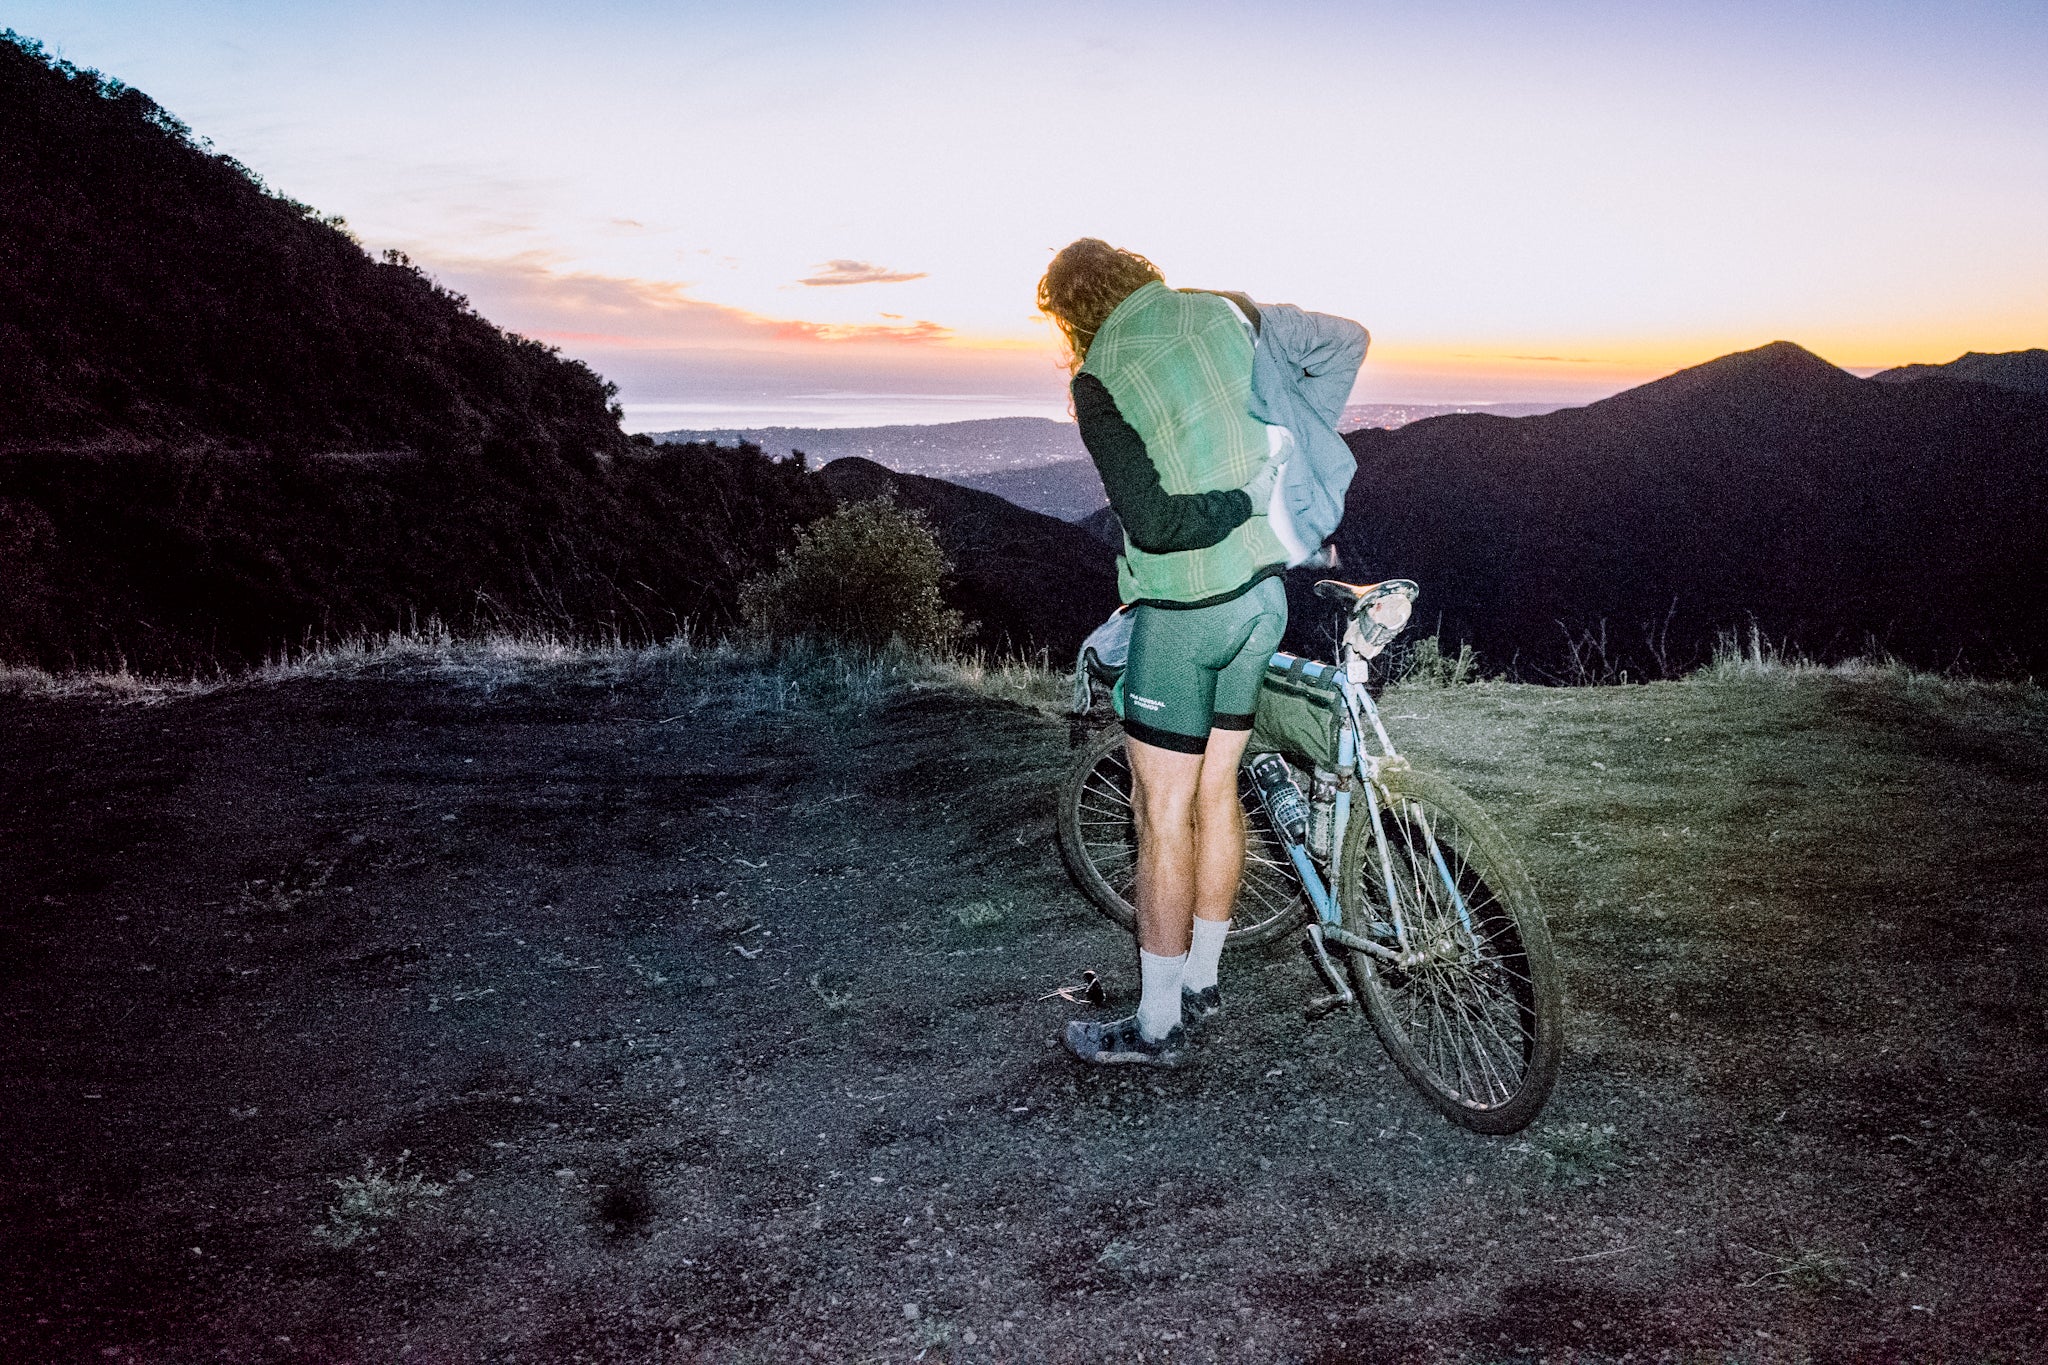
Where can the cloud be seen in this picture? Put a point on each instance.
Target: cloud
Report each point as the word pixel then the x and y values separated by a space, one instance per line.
pixel 660 343
pixel 530 295
pixel 859 272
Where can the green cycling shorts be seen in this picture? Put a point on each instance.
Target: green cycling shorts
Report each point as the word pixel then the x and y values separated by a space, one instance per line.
pixel 1197 669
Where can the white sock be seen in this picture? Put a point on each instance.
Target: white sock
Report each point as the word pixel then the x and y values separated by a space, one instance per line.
pixel 1203 954
pixel 1159 1005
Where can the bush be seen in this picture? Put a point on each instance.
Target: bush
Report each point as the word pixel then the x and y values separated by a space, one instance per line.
pixel 866 575
pixel 1424 664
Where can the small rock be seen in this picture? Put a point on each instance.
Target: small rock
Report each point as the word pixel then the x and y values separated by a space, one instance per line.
pixel 910 1312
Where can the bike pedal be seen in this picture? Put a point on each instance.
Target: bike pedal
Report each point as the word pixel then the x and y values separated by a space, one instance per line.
pixel 1326 1004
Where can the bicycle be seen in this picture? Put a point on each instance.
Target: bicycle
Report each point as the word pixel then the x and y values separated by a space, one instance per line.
pixel 1395 873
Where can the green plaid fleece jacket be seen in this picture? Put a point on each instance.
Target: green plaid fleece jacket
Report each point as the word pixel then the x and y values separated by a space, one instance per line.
pixel 1179 366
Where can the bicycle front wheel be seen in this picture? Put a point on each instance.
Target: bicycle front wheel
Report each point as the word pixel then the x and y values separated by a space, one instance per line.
pixel 1099 844
pixel 1477 1023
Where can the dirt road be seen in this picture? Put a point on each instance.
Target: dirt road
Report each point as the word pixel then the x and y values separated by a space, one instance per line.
pixel 640 1026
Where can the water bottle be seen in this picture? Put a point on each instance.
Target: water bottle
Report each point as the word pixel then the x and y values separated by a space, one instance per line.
pixel 1284 801
pixel 1322 815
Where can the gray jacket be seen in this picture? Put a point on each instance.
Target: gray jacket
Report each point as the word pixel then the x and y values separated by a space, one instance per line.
pixel 1303 366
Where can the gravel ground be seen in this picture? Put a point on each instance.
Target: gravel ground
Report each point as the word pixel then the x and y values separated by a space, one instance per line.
pixel 591 1018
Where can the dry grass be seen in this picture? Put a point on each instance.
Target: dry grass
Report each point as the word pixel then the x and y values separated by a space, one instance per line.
pixel 808 676
pixel 728 673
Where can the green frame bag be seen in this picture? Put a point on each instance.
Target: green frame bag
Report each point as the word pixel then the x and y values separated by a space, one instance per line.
pixel 1301 714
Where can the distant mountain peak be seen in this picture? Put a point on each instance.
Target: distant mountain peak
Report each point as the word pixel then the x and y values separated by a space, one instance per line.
pixel 1774 370
pixel 1787 359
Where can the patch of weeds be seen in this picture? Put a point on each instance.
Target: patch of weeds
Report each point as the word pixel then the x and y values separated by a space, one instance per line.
pixel 1424 664
pixel 982 914
pixel 120 686
pixel 1573 1155
pixel 832 994
pixel 1030 683
pixel 931 1334
pixel 376 1197
pixel 1812 1271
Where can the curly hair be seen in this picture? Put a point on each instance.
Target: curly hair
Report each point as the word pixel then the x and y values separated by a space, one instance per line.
pixel 1083 286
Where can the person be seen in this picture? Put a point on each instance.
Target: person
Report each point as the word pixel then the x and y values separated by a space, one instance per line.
pixel 1162 393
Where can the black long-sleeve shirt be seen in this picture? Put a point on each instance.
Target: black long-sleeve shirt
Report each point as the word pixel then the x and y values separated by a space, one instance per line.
pixel 1156 521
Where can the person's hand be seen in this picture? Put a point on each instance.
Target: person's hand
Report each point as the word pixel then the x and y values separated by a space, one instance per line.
pixel 1260 489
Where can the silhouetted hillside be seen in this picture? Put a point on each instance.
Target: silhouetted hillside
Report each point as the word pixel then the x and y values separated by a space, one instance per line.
pixel 176 562
pixel 2024 370
pixel 1104 526
pixel 176 344
pixel 151 290
pixel 1031 580
pixel 1392 415
pixel 1766 485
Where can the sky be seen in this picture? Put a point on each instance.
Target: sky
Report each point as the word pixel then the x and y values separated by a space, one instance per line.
pixel 834 214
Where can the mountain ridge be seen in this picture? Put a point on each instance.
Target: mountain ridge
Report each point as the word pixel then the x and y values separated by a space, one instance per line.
pixel 2022 370
pixel 1765 487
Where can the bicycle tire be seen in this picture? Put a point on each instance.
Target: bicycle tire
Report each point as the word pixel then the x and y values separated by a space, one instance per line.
pixel 1099 846
pixel 1480 1030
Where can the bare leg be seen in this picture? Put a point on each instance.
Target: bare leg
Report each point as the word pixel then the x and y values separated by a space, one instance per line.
pixel 1163 789
pixel 1190 837
pixel 1219 826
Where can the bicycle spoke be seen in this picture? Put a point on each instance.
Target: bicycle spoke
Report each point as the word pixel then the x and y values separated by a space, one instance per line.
pixel 1467 1014
pixel 1466 1010
pixel 1458 1050
pixel 1485 1058
pixel 1514 1051
pixel 1488 1075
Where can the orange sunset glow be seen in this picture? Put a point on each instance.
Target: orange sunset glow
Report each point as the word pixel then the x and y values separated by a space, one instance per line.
pixel 843 210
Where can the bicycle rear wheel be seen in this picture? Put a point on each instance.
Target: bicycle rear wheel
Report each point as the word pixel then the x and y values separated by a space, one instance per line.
pixel 1099 844
pixel 1478 1025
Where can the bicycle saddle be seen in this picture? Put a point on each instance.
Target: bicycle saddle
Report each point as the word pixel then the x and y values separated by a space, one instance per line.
pixel 1363 596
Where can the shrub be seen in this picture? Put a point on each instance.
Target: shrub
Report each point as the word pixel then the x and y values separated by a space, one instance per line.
pixel 1424 664
pixel 867 574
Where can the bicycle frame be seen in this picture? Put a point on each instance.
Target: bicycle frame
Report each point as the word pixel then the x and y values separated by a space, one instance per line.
pixel 1410 903
pixel 1355 765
